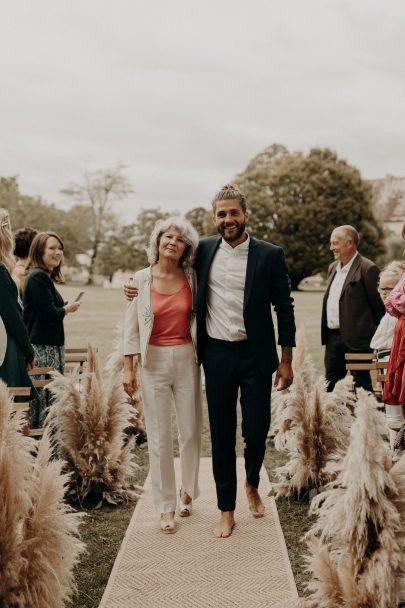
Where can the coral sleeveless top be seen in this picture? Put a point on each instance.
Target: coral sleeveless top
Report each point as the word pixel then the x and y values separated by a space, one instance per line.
pixel 171 325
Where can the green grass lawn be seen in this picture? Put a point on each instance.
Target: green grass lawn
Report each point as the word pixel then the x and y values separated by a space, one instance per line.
pixel 102 309
pixel 103 529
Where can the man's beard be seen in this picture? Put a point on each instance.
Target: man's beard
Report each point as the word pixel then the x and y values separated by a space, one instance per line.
pixel 240 229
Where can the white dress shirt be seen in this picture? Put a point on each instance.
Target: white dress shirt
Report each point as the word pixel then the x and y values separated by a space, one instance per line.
pixel 332 305
pixel 384 333
pixel 226 290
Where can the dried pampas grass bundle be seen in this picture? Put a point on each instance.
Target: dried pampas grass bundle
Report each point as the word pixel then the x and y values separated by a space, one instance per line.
pixel 282 403
pixel 88 429
pixel 50 533
pixel 318 435
pixel 357 557
pixel 398 475
pixel 302 361
pixel 115 362
pixel 279 401
pixel 39 543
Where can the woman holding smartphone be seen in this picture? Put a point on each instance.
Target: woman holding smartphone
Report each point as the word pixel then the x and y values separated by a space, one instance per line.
pixel 45 310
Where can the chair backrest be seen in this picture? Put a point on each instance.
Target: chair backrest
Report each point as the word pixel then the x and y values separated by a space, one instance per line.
pixel 41 371
pixel 75 358
pixel 367 362
pixel 23 406
pixel 360 361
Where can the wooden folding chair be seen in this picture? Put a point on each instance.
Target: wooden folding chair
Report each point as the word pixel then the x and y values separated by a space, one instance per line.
pixel 75 359
pixel 24 406
pixel 364 362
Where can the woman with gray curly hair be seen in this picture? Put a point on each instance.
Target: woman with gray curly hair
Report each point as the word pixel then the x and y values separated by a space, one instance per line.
pixel 160 332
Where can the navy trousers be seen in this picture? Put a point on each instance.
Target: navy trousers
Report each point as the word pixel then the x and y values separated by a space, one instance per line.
pixel 335 365
pixel 228 367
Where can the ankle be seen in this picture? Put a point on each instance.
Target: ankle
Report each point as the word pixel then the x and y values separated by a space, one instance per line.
pixel 185 498
pixel 250 488
pixel 228 515
pixel 167 516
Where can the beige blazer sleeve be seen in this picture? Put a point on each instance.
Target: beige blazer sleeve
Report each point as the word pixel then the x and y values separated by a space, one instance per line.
pixel 131 342
pixel 3 341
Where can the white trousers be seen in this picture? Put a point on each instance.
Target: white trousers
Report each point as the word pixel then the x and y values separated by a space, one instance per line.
pixel 393 413
pixel 171 372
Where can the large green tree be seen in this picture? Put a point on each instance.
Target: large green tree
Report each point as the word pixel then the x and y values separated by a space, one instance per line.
pixel 98 192
pixel 71 225
pixel 296 200
pixel 124 246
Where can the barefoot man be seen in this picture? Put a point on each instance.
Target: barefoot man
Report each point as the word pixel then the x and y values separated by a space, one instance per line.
pixel 239 278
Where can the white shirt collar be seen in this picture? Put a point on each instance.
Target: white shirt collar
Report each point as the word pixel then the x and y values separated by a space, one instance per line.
pixel 239 248
pixel 346 267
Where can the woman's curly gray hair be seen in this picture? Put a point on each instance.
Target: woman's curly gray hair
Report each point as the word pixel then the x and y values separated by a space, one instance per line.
pixel 187 231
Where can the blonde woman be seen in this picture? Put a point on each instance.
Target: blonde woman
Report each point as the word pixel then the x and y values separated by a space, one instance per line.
pixel 160 333
pixel 382 339
pixel 19 354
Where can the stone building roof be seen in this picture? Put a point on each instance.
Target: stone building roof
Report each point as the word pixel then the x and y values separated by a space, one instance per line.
pixel 389 198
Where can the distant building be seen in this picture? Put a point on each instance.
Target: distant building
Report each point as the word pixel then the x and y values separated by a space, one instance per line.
pixel 389 201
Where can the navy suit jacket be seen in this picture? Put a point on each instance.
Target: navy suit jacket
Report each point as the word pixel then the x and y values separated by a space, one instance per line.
pixel 267 283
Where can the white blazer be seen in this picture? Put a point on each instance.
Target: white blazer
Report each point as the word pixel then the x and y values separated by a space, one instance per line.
pixel 139 316
pixel 3 341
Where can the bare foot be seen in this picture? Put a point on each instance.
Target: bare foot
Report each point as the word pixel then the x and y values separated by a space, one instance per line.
pixel 256 505
pixel 225 525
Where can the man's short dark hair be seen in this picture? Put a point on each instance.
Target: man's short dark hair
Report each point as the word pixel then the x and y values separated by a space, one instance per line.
pixel 23 239
pixel 227 192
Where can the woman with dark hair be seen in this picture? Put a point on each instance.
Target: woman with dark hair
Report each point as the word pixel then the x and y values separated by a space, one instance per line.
pixel 44 310
pixel 22 243
pixel 16 352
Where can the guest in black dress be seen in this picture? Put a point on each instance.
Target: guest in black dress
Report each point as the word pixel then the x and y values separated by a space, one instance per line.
pixel 19 354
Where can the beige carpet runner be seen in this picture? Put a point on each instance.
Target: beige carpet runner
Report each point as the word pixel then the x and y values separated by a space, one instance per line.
pixel 192 569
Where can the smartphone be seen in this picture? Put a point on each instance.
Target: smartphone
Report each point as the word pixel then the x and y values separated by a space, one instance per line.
pixel 79 297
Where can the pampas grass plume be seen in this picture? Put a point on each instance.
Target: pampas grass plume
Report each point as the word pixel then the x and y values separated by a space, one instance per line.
pixel 39 543
pixel 88 427
pixel 358 555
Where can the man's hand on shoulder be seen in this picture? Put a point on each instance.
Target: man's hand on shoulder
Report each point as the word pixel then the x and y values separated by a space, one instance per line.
pixel 130 290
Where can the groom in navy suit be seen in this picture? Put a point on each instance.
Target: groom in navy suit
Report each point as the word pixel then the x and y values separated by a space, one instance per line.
pixel 239 278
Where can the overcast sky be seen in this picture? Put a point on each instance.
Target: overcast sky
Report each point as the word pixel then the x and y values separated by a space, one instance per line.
pixel 185 93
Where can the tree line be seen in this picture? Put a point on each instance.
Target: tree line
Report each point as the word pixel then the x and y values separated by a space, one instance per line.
pixel 295 200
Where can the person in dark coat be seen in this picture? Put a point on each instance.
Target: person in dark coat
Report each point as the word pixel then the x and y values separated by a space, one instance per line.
pixel 19 353
pixel 352 307
pixel 44 310
pixel 239 278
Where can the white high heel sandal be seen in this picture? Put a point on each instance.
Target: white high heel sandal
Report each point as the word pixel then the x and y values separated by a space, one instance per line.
pixel 184 509
pixel 168 526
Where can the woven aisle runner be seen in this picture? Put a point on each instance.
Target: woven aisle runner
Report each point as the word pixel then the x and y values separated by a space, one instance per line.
pixel 195 570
